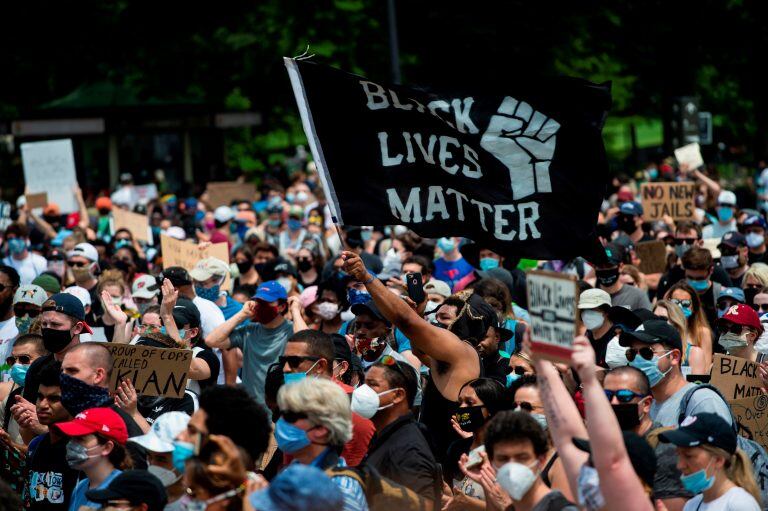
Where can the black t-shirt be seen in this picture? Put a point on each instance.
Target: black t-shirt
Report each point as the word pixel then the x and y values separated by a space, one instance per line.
pixel 50 480
pixel 137 453
pixel 32 380
pixel 212 360
pixel 601 345
pixel 152 407
pixel 495 366
pixel 757 258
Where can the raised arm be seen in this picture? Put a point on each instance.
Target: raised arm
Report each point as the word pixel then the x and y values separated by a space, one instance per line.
pixel 118 317
pixel 170 295
pixel 219 337
pixel 619 483
pixel 294 305
pixel 85 221
pixel 438 343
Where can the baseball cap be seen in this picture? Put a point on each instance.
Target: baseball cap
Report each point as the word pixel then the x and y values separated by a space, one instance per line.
pixel 437 287
pixel 163 431
pixel 80 293
pixel 308 296
pixel 733 239
pixel 49 283
pixel 30 293
pixel 185 312
pixel 223 214
pixel 726 198
pixel 207 268
pixel 299 488
pixel 594 298
pixel 103 421
pixel 270 291
pixel 126 178
pixel 615 253
pixel 341 349
pixel 631 208
pixel 742 314
pixel 103 203
pixel 136 486
pixel 145 287
pixel 51 209
pixel 177 275
pixel 84 250
pixel 734 293
pixel 285 267
pixel 702 428
pixel 67 304
pixel 368 307
pixel 755 221
pixel 641 454
pixel 625 196
pixel 176 232
pixel 629 319
pixel 651 332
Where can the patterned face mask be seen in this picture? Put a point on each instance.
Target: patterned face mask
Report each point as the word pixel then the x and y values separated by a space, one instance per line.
pixel 78 396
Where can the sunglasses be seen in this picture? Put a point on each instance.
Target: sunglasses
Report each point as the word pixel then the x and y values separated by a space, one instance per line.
pixel 294 361
pixel 523 405
pixel 23 360
pixel 390 361
pixel 21 311
pixel 292 417
pixel 681 241
pixel 686 304
pixel 753 286
pixel 623 395
pixel 76 264
pixel 3 287
pixel 646 352
pixel 725 328
pixel 518 370
pixel 762 306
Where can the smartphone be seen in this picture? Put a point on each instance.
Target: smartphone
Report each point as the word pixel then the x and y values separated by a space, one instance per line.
pixel 415 287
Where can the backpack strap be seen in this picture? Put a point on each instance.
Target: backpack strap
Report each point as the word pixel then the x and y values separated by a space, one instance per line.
pixel 681 413
pixel 347 472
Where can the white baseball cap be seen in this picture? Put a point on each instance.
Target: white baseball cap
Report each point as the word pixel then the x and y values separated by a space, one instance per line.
pixel 727 198
pixel 84 250
pixel 80 293
pixel 223 214
pixel 145 287
pixel 163 431
pixel 437 287
pixel 30 293
pixel 176 232
pixel 594 298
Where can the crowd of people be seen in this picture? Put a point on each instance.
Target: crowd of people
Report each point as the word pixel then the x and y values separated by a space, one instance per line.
pixel 370 368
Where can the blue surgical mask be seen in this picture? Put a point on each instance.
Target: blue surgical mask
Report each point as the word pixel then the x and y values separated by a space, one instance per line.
pixel 724 214
pixel 289 378
pixel 699 285
pixel 294 224
pixel 366 234
pixel 210 293
pixel 653 173
pixel 17 245
pixel 754 239
pixel 290 438
pixel 651 368
pixel 446 245
pixel 19 373
pixel 686 311
pixel 511 378
pixel 122 243
pixel 488 263
pixel 698 482
pixel 289 198
pixel 682 248
pixel 182 451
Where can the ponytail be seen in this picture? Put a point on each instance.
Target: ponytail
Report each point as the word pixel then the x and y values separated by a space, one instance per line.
pixel 738 468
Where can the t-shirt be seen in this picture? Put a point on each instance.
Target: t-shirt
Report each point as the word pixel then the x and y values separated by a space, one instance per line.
pixel 704 400
pixel 261 347
pixel 29 267
pixel 50 481
pixel 78 496
pixel 631 297
pixel 152 407
pixel 451 272
pixel 554 501
pixel 735 499
pixel 8 333
pixel 716 230
pixel 231 308
pixel 210 318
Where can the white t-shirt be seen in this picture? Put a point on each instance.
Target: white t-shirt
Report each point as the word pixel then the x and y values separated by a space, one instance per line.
pixel 735 499
pixel 8 333
pixel 29 267
pixel 210 318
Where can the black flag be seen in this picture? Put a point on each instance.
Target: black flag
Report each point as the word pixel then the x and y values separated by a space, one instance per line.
pixel 523 171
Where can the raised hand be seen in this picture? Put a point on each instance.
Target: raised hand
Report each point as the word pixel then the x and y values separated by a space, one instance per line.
pixel 354 266
pixel 583 359
pixel 126 397
pixel 170 295
pixel 112 310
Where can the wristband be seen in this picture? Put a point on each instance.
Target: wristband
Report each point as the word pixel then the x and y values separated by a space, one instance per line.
pixel 368 280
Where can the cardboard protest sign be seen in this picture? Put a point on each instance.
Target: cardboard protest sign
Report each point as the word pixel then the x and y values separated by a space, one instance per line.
pixel 136 223
pixel 735 377
pixel 653 256
pixel 37 200
pixel 552 300
pixel 49 166
pixel 689 155
pixel 224 192
pixel 153 371
pixel 186 255
pixel 750 413
pixel 674 199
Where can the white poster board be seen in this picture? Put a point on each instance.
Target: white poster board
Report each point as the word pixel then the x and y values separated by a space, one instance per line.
pixel 552 300
pixel 690 155
pixel 49 167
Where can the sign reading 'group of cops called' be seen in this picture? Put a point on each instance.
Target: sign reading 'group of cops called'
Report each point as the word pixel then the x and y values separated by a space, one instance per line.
pixel 522 170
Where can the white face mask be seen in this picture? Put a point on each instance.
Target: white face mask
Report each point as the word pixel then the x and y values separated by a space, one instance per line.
pixel 761 345
pixel 366 402
pixel 327 310
pixel 615 354
pixel 286 282
pixel 516 479
pixel 592 319
pixel 166 476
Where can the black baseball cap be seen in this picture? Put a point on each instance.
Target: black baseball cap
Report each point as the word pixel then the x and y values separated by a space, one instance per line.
pixel 285 267
pixel 651 332
pixel 136 486
pixel 177 275
pixel 341 350
pixel 630 319
pixel 615 253
pixel 733 239
pixel 641 454
pixel 702 428
pixel 186 313
pixel 368 307
pixel 68 304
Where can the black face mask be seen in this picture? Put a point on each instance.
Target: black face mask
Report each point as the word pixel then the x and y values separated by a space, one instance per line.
pixel 304 264
pixel 626 224
pixel 471 418
pixel 749 296
pixel 607 277
pixel 627 415
pixel 244 267
pixel 55 340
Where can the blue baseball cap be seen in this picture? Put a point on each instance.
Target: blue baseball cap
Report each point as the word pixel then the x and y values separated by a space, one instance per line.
pixel 68 304
pixel 755 221
pixel 300 488
pixel 631 208
pixel 270 291
pixel 734 293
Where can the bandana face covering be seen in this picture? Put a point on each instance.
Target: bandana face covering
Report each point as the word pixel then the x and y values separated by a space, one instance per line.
pixel 78 396
pixel 366 345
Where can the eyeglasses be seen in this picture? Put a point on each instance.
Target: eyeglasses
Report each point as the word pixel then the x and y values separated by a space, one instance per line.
pixel 646 352
pixel 292 417
pixel 518 370
pixel 623 395
pixel 686 304
pixel 76 264
pixel 23 360
pixel 21 311
pixel 733 328
pixel 294 361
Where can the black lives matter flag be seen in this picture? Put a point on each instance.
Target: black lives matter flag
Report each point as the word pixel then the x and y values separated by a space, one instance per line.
pixel 523 171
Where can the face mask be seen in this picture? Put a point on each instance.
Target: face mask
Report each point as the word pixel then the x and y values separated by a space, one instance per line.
pixel 55 340
pixel 626 413
pixel 687 311
pixel 304 265
pixel 290 438
pixel 627 224
pixel 22 323
pixel 290 378
pixel 730 341
pixel 516 479
pixel 142 307
pixel 699 285
pixel 511 378
pixel 290 197
pixel 366 402
pixel 244 267
pixel 588 491
pixel 274 222
pixel 653 174
pixel 615 354
pixel 651 368
pixel 19 373
pixel 78 396
pixel 729 262
pixel 446 245
pixel 286 282
pixel 17 246
pixel 761 345
pixel 167 477
pixel 608 277
pixel 122 243
pixel 265 313
pixel 470 418
pixel 327 310
pixel 77 454
pixel 724 214
pixel 681 249
pixel 302 197
pixel 366 235
pixel 698 481
pixel 57 267
pixel 592 319
pixel 209 293
pixel 364 345
pixel 294 224
pixel 541 419
pixel 356 296
pixel 182 451
pixel 754 240
pixel 488 263
pixel 81 274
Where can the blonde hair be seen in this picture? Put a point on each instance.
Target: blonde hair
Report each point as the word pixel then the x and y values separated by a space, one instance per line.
pixel 634 272
pixel 738 468
pixel 324 403
pixel 111 278
pixel 759 271
pixel 677 319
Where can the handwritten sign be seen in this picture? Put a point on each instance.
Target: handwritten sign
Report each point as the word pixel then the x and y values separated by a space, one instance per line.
pixel 224 192
pixel 49 166
pixel 153 371
pixel 37 200
pixel 137 224
pixel 735 377
pixel 752 415
pixel 552 300
pixel 186 255
pixel 689 155
pixel 674 199
pixel 653 256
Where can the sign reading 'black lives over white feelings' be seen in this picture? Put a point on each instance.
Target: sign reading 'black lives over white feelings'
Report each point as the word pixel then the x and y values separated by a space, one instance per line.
pixel 522 170
pixel 552 300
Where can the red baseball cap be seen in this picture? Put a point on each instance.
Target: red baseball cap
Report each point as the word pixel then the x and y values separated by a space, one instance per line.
pixel 102 421
pixel 744 315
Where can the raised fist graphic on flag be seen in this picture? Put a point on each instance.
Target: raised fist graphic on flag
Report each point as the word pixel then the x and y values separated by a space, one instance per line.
pixel 524 140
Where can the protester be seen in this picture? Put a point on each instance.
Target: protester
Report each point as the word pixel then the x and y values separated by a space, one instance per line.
pixel 27 264
pixel 698 347
pixel 27 305
pixel 137 489
pixel 629 393
pixel 733 256
pixel 726 209
pixel 26 349
pixel 608 280
pixel 740 328
pixel 299 488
